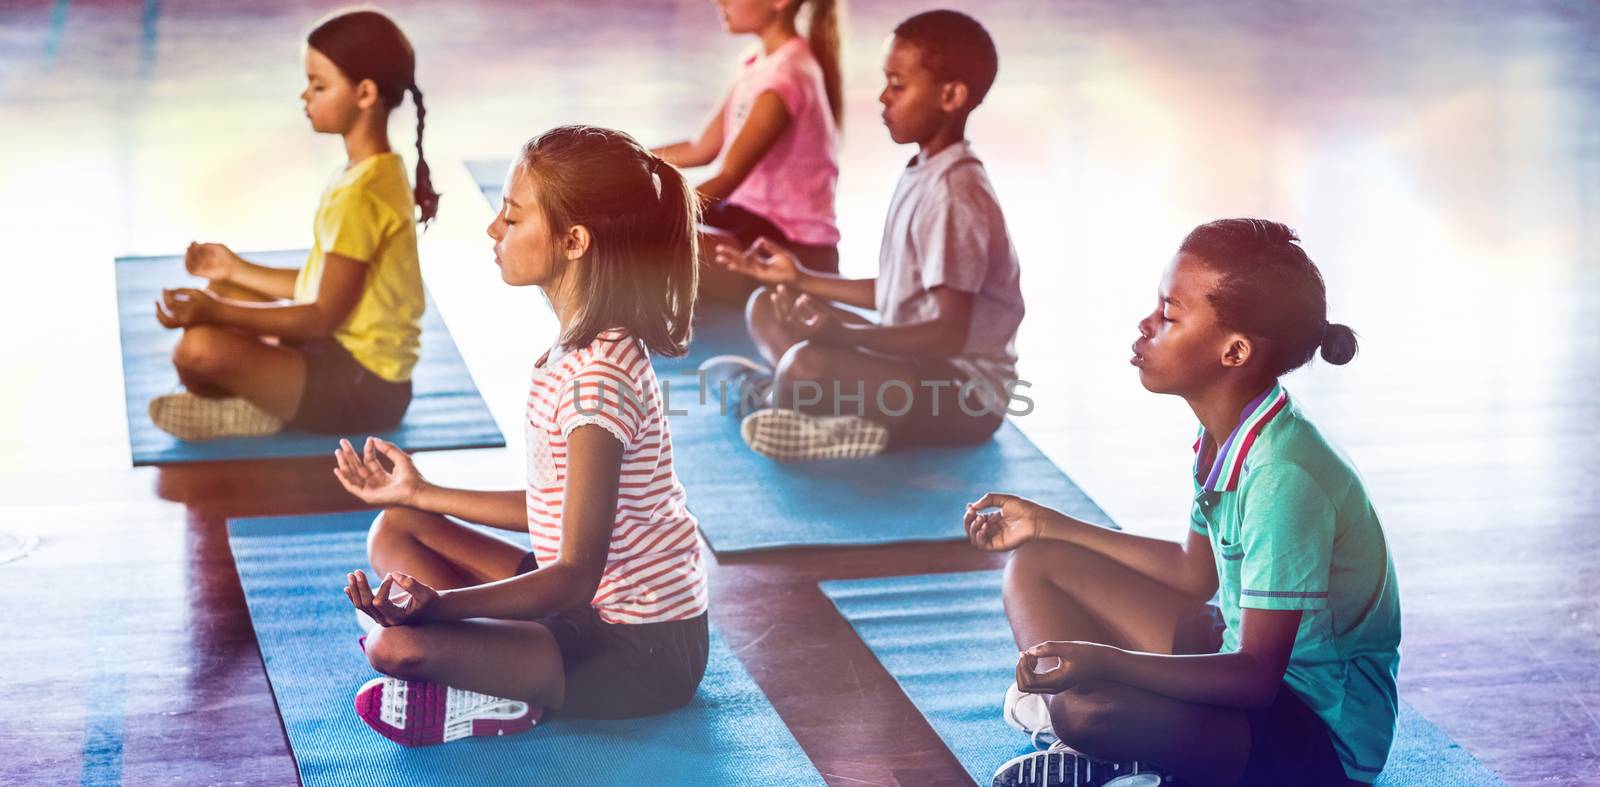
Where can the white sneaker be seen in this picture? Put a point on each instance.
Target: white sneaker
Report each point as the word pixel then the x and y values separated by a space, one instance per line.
pixel 746 381
pixel 1029 714
pixel 793 436
pixel 188 417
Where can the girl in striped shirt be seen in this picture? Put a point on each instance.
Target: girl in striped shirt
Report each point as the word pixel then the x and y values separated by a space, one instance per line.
pixel 605 617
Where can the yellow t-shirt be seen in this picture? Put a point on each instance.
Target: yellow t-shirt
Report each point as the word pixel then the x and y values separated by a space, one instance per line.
pixel 366 214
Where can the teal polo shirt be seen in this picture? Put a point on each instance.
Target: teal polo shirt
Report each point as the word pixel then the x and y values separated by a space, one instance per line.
pixel 1291 528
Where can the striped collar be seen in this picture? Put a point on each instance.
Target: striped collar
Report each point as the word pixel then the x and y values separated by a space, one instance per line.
pixel 1229 463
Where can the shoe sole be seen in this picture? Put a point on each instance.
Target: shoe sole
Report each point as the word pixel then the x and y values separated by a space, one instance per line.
pixel 181 415
pixel 792 436
pixel 424 704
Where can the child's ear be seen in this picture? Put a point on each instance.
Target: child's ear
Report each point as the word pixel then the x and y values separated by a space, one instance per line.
pixel 575 243
pixel 953 96
pixel 1238 351
pixel 367 95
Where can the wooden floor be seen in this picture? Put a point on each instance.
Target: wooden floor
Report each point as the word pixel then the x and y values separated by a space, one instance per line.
pixel 1442 162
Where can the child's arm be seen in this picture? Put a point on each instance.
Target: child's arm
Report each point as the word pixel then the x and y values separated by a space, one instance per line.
pixel 940 337
pixel 588 514
pixel 218 263
pixel 366 478
pixel 771 264
pixel 1247 679
pixel 766 122
pixel 342 282
pixel 1188 568
pixel 698 152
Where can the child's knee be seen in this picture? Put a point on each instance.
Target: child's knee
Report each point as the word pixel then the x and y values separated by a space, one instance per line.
pixel 758 309
pixel 199 351
pixel 803 361
pixel 1077 719
pixel 396 651
pixel 1031 561
pixel 390 524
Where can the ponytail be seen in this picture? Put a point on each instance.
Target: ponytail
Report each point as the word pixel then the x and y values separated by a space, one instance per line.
pixel 822 35
pixel 679 216
pixel 422 193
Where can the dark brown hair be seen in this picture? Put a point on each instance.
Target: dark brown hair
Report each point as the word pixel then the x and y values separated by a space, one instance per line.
pixel 1270 290
pixel 954 48
pixel 640 273
pixel 366 44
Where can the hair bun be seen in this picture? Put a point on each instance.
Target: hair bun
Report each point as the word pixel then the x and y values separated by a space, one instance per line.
pixel 1338 344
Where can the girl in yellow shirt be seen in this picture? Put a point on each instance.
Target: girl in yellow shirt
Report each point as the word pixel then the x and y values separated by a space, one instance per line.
pixel 328 347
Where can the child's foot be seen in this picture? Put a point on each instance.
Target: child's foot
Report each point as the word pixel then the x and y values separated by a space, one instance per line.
pixel 189 417
pixel 744 381
pixel 793 436
pixel 420 713
pixel 1029 713
pixel 1062 766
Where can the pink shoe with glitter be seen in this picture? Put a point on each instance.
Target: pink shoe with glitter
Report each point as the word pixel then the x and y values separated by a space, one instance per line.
pixel 420 713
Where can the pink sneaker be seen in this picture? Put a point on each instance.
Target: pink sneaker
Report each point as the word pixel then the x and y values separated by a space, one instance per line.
pixel 420 713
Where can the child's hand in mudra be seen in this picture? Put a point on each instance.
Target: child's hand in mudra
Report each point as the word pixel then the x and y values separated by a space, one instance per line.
pixel 803 316
pixel 1051 667
pixel 381 607
pixel 212 261
pixel 365 477
pixel 1014 522
pixel 764 261
pixel 183 307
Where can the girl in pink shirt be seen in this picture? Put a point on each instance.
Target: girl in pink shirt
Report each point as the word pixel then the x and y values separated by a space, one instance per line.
pixel 777 135
pixel 602 612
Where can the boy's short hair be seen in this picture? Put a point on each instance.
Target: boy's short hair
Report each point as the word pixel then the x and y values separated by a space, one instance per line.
pixel 955 48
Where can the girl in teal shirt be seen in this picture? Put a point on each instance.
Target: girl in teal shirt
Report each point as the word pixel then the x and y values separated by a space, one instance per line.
pixel 1290 677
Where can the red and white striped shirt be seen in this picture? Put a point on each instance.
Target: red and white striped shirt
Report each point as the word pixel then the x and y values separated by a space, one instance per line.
pixel 653 568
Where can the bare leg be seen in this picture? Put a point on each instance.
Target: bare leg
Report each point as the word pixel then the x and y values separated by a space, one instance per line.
pixel 808 375
pixel 1202 744
pixel 504 658
pixel 515 659
pixel 1058 591
pixel 440 552
pixel 210 359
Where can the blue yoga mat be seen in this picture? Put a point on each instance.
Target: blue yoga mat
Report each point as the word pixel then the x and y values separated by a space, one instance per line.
pixel 745 501
pixel 292 569
pixel 944 638
pixel 446 410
